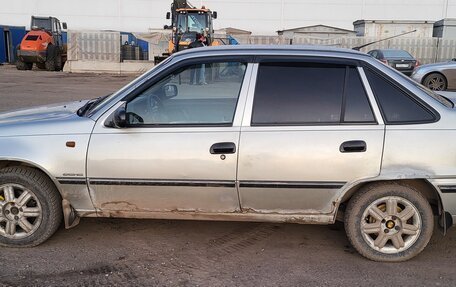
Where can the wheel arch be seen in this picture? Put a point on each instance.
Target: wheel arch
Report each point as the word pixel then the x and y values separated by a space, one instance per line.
pixel 420 184
pixel 70 216
pixel 21 162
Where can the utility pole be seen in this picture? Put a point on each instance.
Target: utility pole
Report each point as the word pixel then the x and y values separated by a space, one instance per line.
pixel 445 9
pixel 281 14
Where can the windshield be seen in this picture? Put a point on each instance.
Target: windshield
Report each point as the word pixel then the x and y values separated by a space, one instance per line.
pixel 191 22
pixel 42 24
pixel 396 54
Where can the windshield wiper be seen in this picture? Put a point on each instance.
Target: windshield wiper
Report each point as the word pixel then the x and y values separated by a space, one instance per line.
pixel 89 105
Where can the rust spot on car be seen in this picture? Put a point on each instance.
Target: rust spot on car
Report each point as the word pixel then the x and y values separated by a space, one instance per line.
pixel 120 205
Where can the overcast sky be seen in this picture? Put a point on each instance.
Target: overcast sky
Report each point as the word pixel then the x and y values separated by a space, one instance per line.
pixel 259 16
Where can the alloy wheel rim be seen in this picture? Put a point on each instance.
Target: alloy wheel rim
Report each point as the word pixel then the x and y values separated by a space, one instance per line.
pixel 391 224
pixel 20 211
pixel 437 84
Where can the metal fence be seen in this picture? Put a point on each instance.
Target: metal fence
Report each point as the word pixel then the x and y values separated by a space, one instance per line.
pixel 106 46
pixel 94 46
pixel 426 50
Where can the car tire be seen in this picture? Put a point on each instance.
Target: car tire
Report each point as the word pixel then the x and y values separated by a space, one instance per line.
pixel 389 222
pixel 30 207
pixel 21 65
pixel 435 82
pixel 51 52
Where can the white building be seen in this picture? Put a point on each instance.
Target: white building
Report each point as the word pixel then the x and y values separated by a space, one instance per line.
pixel 258 16
pixel 388 28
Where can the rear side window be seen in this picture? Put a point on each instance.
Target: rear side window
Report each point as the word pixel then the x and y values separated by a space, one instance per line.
pixel 396 105
pixel 357 107
pixel 309 93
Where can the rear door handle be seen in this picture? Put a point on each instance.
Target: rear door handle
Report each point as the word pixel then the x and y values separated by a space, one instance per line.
pixel 223 148
pixel 353 146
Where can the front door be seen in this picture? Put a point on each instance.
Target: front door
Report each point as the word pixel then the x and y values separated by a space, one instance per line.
pixel 178 152
pixel 312 131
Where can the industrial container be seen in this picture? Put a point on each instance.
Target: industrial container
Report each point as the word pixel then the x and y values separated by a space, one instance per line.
pixel 10 38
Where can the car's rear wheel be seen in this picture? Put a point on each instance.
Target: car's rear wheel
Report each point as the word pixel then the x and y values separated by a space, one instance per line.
pixel 435 82
pixel 389 222
pixel 30 207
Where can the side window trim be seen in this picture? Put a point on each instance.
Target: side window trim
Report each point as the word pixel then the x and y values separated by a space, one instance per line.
pixel 372 100
pixel 248 109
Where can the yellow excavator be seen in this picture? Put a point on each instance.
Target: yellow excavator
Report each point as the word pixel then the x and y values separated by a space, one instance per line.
pixel 186 22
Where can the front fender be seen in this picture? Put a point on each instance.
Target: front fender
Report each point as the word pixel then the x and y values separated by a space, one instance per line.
pixel 51 155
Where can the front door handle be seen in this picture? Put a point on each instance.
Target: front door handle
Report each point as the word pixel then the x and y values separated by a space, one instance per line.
pixel 353 146
pixel 223 148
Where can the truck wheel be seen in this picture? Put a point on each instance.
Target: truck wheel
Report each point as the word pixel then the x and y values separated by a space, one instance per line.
pixel 30 207
pixel 50 58
pixel 389 222
pixel 41 66
pixel 20 65
pixel 58 59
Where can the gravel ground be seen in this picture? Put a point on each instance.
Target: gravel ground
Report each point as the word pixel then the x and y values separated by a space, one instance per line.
pixel 127 252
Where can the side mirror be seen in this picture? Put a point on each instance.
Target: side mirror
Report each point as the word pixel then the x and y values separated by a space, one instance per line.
pixel 214 14
pixel 168 15
pixel 170 91
pixel 120 118
pixel 64 25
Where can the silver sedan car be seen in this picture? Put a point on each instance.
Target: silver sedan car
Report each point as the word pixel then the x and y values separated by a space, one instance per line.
pixel 438 76
pixel 273 134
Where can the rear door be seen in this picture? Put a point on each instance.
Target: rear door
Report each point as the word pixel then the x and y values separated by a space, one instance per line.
pixel 312 129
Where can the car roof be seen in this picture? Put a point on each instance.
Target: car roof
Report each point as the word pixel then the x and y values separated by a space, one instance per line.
pixel 266 49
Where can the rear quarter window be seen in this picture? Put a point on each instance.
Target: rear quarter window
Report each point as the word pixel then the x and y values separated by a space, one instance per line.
pixel 397 106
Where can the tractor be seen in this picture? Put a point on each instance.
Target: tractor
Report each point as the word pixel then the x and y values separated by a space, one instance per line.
pixel 42 45
pixel 186 22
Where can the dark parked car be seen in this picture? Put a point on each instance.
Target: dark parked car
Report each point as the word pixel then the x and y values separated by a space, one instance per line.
pixel 398 59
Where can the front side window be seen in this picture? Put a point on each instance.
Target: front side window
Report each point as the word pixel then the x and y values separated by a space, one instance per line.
pixel 309 93
pixel 198 95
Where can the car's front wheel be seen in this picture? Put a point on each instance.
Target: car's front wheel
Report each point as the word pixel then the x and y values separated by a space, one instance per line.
pixel 389 222
pixel 30 207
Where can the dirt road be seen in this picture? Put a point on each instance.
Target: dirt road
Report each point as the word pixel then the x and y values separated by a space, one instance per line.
pixel 120 252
